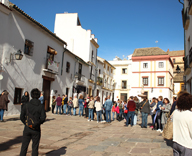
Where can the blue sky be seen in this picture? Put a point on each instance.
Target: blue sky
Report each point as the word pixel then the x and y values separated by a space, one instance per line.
pixel 120 25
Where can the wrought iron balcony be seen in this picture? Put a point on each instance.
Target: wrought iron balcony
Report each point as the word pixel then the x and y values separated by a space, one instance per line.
pixel 186 18
pixel 99 80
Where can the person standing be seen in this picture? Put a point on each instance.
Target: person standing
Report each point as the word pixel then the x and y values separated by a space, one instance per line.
pixel 25 98
pixel 81 103
pixel 41 98
pixel 3 103
pixel 86 107
pixel 58 106
pixel 108 105
pixel 120 110
pixel 145 110
pixel 75 104
pixel 131 111
pixel 98 106
pixel 70 105
pixel 173 105
pixel 36 109
pixel 53 104
pixel 182 126
pixel 158 113
pixel 65 105
pixel 91 106
pixel 62 108
pixel 136 100
pixel 153 105
pixel 113 111
pixel 165 112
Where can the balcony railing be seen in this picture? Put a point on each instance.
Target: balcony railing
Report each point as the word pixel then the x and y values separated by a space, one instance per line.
pixel 190 8
pixel 51 66
pixel 99 80
pixel 185 17
pixel 186 65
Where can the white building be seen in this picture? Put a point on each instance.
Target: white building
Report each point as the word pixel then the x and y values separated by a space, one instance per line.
pixel 80 42
pixel 152 69
pixel 122 77
pixel 45 65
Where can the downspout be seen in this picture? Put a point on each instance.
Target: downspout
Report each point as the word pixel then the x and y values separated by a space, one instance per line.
pixel 95 74
pixel 184 41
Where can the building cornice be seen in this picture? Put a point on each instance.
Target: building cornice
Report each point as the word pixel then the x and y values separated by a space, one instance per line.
pixel 94 43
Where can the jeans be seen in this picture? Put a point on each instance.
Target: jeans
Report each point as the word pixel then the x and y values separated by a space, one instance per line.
pixel 58 107
pixel 144 119
pixel 130 114
pixel 152 117
pixel 179 150
pixel 74 111
pixel 27 137
pixel 135 120
pixel 65 108
pixel 1 114
pixel 108 115
pixel 120 113
pixel 99 115
pixel 69 110
pixel 91 113
pixel 53 107
pixel 81 110
pixel 113 115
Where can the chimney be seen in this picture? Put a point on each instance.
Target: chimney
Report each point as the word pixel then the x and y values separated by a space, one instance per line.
pixel 167 50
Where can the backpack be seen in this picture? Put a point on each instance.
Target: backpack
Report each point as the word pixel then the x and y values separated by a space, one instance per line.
pixel 31 121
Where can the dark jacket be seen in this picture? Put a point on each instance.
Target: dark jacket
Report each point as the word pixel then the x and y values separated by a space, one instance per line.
pixel 146 107
pixel 159 104
pixel 24 99
pixel 173 107
pixel 66 100
pixel 4 101
pixel 37 110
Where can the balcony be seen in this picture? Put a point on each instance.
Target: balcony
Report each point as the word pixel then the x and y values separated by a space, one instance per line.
pixel 185 17
pixel 187 69
pixel 52 67
pixel 99 80
pixel 92 78
pixel 190 8
pixel 80 79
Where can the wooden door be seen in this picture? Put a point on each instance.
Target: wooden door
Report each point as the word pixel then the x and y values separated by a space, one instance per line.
pixel 46 90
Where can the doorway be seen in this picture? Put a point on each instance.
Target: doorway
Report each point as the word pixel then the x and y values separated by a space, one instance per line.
pixel 46 90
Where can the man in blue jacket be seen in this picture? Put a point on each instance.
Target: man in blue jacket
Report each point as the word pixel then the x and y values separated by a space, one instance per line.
pixel 108 106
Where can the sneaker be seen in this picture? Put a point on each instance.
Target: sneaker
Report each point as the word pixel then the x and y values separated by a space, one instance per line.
pixel 97 121
pixel 158 130
pixel 88 120
pixel 161 131
pixel 151 126
pixel 91 120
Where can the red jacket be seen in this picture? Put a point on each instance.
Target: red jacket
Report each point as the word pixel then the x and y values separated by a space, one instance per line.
pixel 131 105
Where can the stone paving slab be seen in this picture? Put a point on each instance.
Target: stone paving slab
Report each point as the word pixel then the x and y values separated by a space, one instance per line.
pixel 75 136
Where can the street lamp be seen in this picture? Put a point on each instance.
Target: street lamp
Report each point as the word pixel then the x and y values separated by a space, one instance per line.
pixel 18 56
pixel 178 69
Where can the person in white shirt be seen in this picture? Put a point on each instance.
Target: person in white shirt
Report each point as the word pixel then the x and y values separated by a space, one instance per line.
pixel 99 109
pixel 182 126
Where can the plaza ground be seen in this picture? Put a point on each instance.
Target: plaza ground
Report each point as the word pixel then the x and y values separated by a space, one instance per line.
pixel 75 136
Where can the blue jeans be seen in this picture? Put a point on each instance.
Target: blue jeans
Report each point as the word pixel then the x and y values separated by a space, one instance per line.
pixel 65 109
pixel 99 115
pixel 1 114
pixel 108 115
pixel 144 119
pixel 120 113
pixel 113 113
pixel 91 113
pixel 80 110
pixel 69 110
pixel 58 107
pixel 74 111
pixel 130 114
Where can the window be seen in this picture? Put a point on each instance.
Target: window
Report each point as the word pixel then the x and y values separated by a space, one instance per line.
pixel 124 84
pixel 97 92
pixel 79 71
pixel 161 65
pixel 67 91
pixel 145 81
pixel 17 97
pixel 145 65
pixel 92 56
pixel 173 60
pixel 68 67
pixel 160 81
pixel 28 49
pixel 108 68
pixel 124 70
pixel 99 71
pixel 111 70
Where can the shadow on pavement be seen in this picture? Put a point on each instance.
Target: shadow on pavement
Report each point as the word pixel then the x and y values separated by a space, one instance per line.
pixel 58 152
pixel 13 119
pixel 49 119
pixel 6 145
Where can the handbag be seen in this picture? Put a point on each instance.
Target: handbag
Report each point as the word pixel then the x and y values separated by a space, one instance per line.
pixel 168 130
pixel 126 111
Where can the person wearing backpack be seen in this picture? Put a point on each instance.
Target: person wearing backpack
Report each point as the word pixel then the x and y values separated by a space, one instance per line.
pixel 32 110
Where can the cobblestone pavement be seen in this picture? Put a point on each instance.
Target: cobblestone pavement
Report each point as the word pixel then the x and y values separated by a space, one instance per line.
pixel 75 136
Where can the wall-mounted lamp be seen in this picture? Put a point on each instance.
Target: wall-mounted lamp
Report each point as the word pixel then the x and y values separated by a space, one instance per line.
pixel 178 69
pixel 18 56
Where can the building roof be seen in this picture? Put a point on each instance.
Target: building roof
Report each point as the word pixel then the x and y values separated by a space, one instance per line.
pixel 176 53
pixel 13 6
pixel 148 52
pixel 103 61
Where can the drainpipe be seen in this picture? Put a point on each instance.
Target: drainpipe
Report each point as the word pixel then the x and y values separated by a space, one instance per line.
pixel 95 75
pixel 184 41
